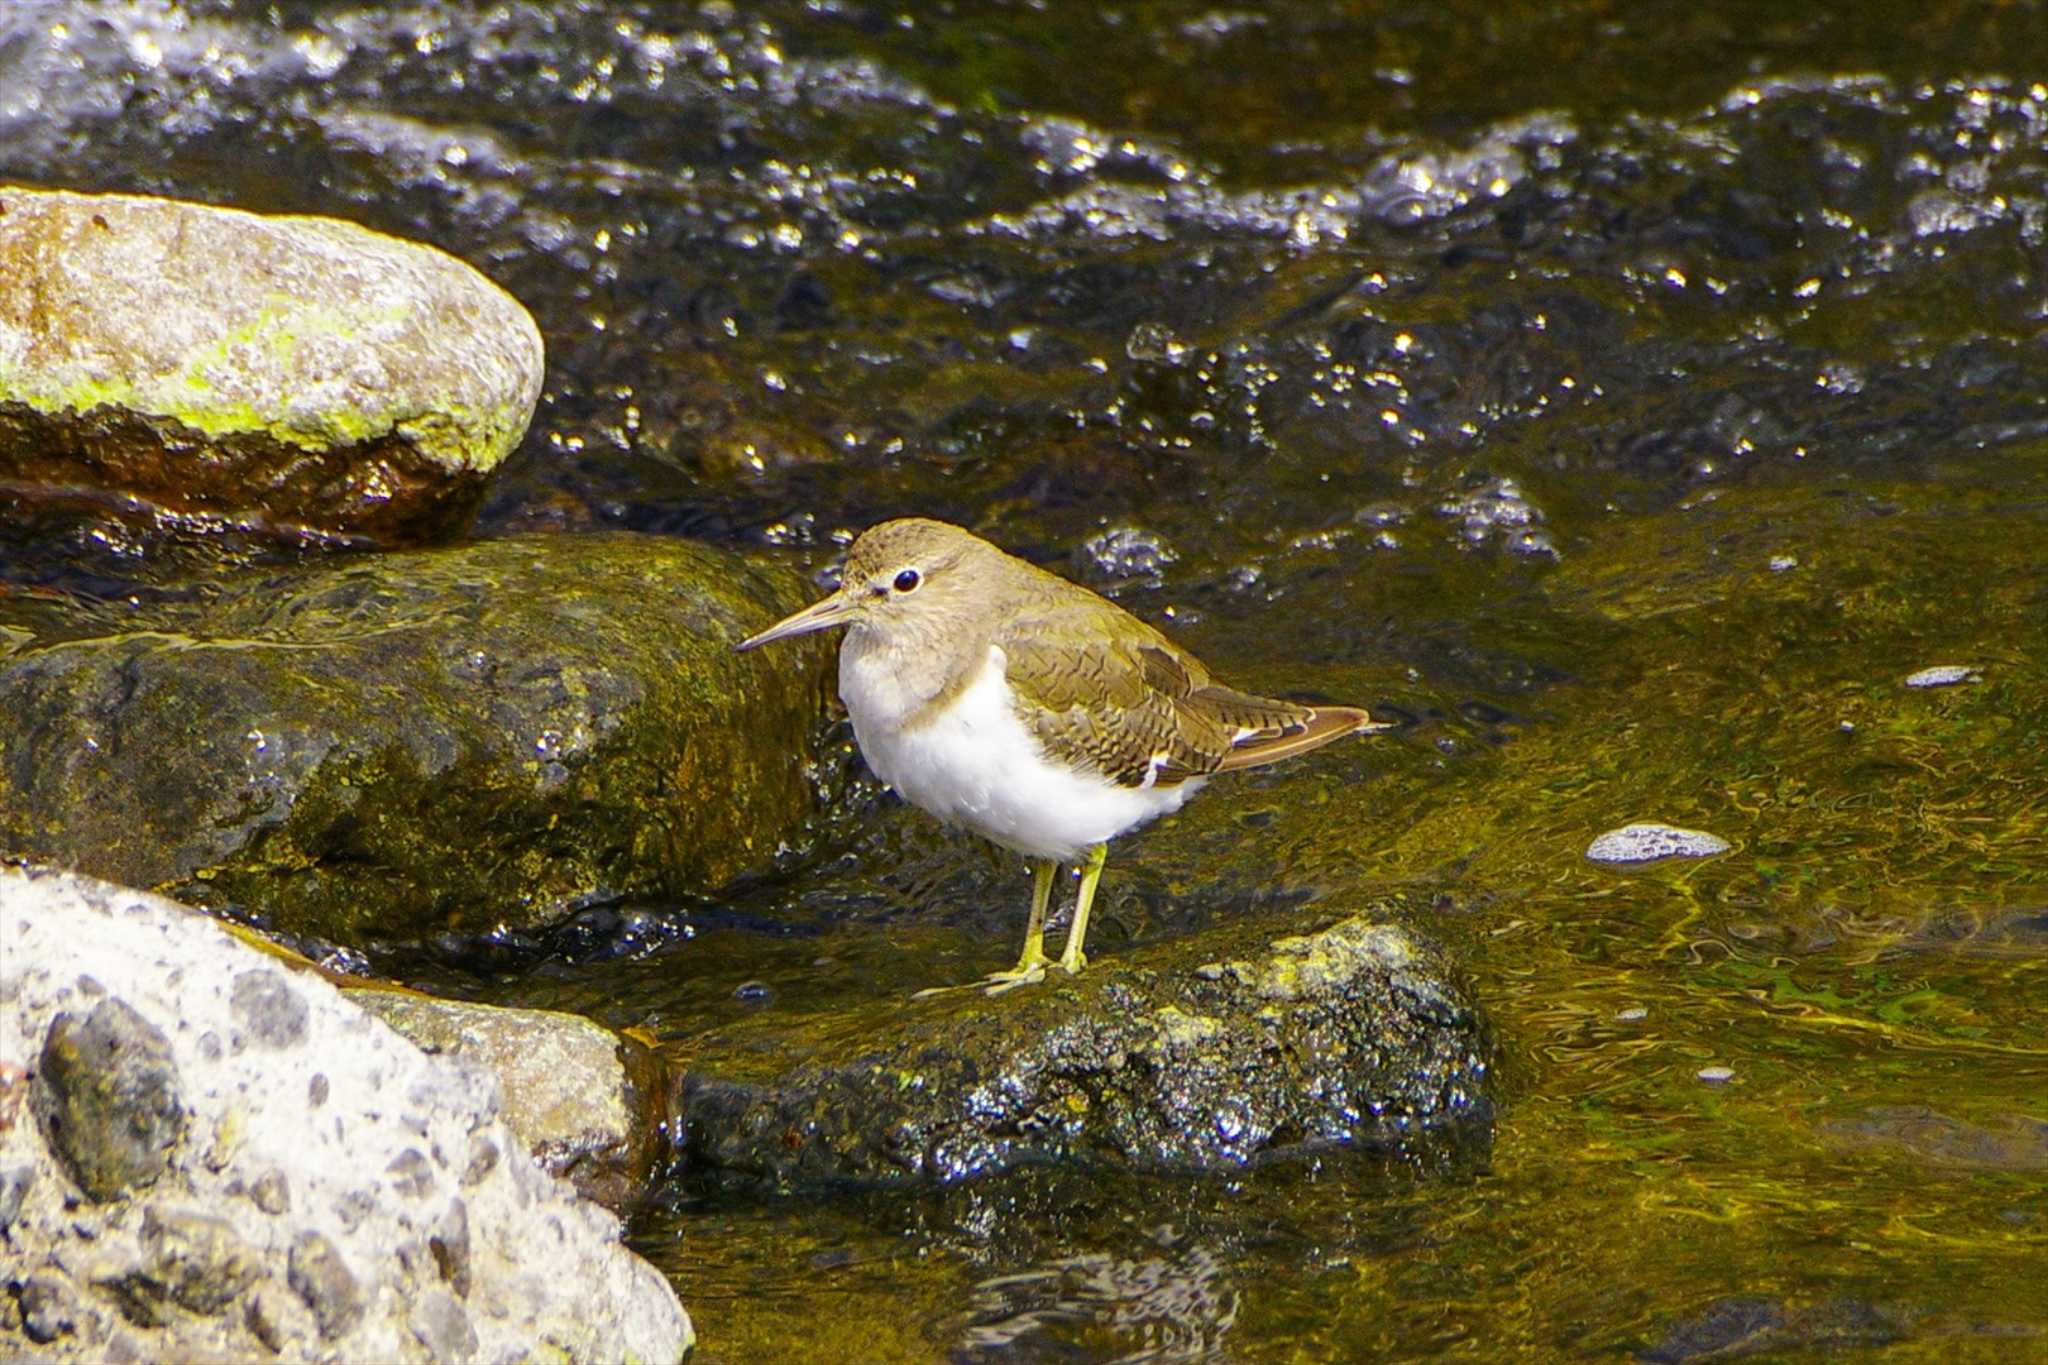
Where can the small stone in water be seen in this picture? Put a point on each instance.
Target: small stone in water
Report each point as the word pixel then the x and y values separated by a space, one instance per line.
pixel 1715 1075
pixel 753 992
pixel 1780 563
pixel 1649 842
pixel 1944 675
pixel 1633 1014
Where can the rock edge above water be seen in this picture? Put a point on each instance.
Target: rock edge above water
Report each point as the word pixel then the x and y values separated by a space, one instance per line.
pixel 1208 1054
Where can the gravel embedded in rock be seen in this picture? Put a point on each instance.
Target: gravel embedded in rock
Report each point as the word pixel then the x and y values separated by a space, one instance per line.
pixel 268 1009
pixel 272 1192
pixel 443 1327
pixel 14 1183
pixel 325 1282
pixel 106 1093
pixel 199 1261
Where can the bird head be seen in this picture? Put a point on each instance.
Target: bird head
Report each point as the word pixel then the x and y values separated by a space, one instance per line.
pixel 905 579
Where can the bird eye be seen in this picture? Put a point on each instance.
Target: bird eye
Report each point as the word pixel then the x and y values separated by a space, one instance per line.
pixel 907 581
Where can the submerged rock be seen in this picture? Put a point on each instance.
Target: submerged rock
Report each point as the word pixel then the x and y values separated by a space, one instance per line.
pixel 402 745
pixel 1212 1053
pixel 201 365
pixel 589 1103
pixel 338 1195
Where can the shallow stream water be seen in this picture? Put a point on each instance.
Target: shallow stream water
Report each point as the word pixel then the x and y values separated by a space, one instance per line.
pixel 1627 400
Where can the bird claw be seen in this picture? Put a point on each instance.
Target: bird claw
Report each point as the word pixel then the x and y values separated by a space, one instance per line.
pixel 995 983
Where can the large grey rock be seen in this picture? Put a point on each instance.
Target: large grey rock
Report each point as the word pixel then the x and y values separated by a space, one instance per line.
pixel 399 745
pixel 338 1195
pixel 227 367
pixel 1203 1054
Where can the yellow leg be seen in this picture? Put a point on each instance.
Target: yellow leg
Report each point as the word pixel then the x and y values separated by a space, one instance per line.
pixel 1071 957
pixel 1032 962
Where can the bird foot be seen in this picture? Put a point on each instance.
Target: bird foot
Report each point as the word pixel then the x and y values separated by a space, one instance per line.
pixel 1074 963
pixel 995 983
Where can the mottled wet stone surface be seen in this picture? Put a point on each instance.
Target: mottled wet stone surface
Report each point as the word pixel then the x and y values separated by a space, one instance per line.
pixel 405 744
pixel 337 1194
pixel 1213 1053
pixel 177 362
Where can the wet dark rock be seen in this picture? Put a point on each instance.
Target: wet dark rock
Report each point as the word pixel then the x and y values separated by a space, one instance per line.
pixel 419 742
pixel 107 1096
pixel 200 366
pixel 1213 1053
pixel 588 1102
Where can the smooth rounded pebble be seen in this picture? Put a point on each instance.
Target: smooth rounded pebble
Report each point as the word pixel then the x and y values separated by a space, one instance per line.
pixel 1647 843
pixel 1715 1075
pixel 1944 675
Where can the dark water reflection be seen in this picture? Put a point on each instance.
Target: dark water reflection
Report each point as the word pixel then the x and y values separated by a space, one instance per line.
pixel 1630 400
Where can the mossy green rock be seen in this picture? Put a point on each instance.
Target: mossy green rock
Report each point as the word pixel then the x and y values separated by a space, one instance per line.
pixel 201 366
pixel 398 745
pixel 1211 1053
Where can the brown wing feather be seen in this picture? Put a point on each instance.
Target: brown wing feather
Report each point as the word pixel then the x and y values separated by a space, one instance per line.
pixel 1129 703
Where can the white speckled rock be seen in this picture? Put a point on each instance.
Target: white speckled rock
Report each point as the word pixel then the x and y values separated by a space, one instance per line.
pixel 1650 842
pixel 320 1188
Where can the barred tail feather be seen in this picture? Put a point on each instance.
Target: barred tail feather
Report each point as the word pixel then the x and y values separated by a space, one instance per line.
pixel 1319 725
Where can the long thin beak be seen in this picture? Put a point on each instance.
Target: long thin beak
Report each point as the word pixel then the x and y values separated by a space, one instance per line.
pixel 820 615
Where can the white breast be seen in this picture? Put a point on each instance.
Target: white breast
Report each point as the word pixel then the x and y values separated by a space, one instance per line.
pixel 975 765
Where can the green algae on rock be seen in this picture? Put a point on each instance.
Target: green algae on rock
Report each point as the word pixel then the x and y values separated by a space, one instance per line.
pixel 1210 1053
pixel 399 745
pixel 200 365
